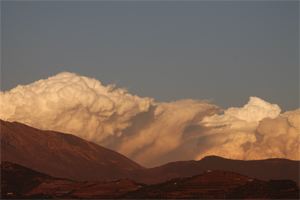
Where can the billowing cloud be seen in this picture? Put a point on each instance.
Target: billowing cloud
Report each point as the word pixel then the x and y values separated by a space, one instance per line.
pixel 73 104
pixel 276 138
pixel 164 132
pixel 136 127
pixel 153 133
pixel 255 131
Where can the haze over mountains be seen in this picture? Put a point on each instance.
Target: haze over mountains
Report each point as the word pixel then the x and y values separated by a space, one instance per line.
pixel 67 156
pixel 152 133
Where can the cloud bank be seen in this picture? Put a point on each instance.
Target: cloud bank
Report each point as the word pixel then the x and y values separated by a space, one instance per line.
pixel 152 133
pixel 255 131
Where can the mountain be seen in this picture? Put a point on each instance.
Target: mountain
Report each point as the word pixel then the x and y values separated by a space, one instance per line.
pixel 67 156
pixel 260 169
pixel 274 168
pixel 62 155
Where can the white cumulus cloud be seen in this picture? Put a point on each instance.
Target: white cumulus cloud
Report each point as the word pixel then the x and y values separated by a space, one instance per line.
pixel 153 133
pixel 73 104
pixel 255 131
pixel 136 127
pixel 276 138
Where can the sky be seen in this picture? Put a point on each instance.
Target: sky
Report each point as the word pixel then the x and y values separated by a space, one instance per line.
pixel 225 51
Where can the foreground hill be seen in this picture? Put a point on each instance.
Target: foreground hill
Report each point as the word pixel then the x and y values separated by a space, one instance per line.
pixel 62 155
pixel 16 180
pixel 67 156
pixel 20 182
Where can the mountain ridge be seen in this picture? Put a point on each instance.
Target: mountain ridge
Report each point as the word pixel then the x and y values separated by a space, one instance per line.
pixel 68 156
pixel 61 154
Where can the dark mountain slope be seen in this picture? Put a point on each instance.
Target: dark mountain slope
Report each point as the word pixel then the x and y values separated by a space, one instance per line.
pixel 62 155
pixel 260 169
pixel 275 168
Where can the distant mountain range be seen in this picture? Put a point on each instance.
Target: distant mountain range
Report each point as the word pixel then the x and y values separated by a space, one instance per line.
pixel 260 169
pixel 67 156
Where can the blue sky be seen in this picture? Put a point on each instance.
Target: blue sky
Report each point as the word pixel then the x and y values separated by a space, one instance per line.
pixel 168 51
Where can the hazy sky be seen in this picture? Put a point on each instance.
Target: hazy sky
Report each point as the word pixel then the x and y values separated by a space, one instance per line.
pixel 168 51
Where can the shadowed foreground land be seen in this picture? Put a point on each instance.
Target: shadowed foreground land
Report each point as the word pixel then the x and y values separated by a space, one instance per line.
pixel 20 182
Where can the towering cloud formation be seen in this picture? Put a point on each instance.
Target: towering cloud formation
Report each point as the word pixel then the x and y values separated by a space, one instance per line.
pixel 276 138
pixel 74 104
pixel 111 117
pixel 152 133
pixel 256 131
